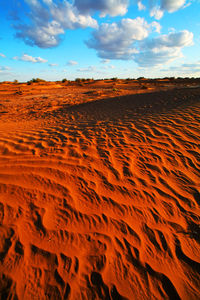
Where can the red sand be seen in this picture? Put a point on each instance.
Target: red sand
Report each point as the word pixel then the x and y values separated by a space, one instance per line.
pixel 100 191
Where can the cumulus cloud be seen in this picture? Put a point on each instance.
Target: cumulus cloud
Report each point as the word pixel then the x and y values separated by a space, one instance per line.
pixel 152 58
pixel 48 20
pixel 2 55
pixel 141 6
pixel 163 49
pixel 158 7
pixel 105 7
pixel 69 17
pixel 116 40
pixel 72 63
pixel 171 5
pixel 173 39
pixel 128 39
pixel 44 36
pixel 156 12
pixel 28 58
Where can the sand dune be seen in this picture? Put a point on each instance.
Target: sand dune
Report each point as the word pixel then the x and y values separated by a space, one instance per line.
pixel 99 196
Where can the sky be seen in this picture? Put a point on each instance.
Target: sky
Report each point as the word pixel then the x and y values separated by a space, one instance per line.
pixel 57 39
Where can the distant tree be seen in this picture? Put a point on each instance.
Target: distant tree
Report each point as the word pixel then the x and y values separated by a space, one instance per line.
pixel 35 80
pixel 80 80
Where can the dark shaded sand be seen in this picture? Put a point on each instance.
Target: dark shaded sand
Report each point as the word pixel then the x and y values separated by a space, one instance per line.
pixel 99 191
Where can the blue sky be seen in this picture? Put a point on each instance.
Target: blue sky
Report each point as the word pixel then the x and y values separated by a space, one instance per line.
pixel 56 39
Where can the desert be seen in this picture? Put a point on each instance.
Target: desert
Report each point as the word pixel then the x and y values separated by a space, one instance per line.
pixel 100 189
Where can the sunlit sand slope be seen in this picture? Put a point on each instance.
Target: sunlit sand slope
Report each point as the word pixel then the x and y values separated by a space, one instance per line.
pixel 102 200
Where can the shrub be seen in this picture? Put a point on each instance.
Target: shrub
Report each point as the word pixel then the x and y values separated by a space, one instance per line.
pixel 35 80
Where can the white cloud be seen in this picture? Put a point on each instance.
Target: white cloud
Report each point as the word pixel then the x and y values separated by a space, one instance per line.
pixel 48 20
pixel 141 6
pixel 88 69
pixel 5 71
pixel 172 5
pixel 186 68
pixel 156 26
pixel 105 61
pixel 117 40
pixel 95 70
pixel 69 17
pixel 53 65
pixel 44 35
pixel 163 49
pixel 128 39
pixel 191 66
pixel 2 55
pixel 108 67
pixel 105 7
pixel 155 57
pixel 4 68
pixel 28 58
pixel 156 12
pixel 72 63
pixel 158 7
pixel 188 4
pixel 173 39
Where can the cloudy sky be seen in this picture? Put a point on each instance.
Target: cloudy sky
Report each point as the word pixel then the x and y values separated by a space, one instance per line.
pixel 56 39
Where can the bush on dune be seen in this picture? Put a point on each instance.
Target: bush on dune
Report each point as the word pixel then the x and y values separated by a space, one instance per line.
pixel 36 80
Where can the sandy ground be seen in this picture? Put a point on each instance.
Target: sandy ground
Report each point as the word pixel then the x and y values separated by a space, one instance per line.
pixel 100 190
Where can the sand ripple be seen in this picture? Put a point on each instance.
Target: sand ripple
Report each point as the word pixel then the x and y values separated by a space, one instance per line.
pixel 102 202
